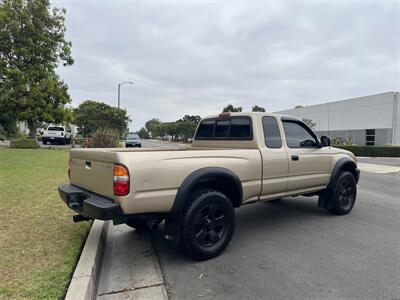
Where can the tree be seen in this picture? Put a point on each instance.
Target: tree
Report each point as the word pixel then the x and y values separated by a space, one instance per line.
pixel 310 123
pixel 258 108
pixel 151 127
pixel 32 44
pixel 186 129
pixel 192 119
pixel 231 108
pixel 143 133
pixel 97 115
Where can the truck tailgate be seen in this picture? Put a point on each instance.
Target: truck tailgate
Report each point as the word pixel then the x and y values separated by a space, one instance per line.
pixel 93 170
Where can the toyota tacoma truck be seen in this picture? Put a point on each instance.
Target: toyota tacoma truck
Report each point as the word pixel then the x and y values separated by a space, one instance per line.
pixel 235 159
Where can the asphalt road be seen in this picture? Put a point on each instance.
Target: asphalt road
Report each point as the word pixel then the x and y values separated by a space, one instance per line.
pixel 290 249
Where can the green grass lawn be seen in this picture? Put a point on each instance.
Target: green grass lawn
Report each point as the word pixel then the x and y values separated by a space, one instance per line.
pixel 39 243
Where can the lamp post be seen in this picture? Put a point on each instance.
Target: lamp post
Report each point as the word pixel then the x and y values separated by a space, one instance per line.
pixel 119 89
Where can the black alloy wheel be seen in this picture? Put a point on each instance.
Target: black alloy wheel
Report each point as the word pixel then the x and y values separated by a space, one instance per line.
pixel 343 196
pixel 208 223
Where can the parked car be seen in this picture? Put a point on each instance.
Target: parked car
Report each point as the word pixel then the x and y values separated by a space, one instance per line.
pixel 235 159
pixel 57 134
pixel 133 140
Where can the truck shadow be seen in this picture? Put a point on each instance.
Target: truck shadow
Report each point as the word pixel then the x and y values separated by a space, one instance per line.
pixel 255 221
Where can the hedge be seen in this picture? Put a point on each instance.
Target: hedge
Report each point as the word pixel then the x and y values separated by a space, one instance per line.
pixel 24 143
pixel 372 151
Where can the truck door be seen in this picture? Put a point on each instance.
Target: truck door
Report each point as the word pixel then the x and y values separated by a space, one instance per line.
pixel 309 166
pixel 275 160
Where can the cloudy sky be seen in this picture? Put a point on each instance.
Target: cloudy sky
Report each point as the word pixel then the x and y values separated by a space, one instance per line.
pixel 197 57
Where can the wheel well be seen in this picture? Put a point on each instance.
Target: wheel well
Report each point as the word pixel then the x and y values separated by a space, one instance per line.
pixel 343 165
pixel 222 184
pixel 350 168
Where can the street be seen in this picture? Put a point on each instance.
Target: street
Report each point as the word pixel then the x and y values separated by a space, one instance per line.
pixel 282 249
pixel 292 249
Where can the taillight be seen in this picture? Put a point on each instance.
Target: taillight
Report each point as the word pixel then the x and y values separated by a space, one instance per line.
pixel 121 180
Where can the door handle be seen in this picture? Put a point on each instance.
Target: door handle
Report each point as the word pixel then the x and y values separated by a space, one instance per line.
pixel 295 157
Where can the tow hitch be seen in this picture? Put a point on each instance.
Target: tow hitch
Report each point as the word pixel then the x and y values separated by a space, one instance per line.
pixel 79 218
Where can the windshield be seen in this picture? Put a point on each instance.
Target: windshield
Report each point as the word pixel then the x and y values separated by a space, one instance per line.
pixel 132 137
pixel 56 128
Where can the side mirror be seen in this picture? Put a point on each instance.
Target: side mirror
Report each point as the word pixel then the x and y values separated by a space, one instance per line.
pixel 325 141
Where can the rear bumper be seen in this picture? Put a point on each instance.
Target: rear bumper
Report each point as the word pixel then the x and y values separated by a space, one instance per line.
pixel 90 205
pixel 53 138
pixel 133 145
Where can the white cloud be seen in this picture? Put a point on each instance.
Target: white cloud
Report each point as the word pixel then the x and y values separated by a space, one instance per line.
pixel 194 58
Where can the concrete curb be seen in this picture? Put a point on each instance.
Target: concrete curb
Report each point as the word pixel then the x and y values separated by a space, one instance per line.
pixel 86 276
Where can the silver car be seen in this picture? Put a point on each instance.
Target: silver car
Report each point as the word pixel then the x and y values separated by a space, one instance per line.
pixel 132 140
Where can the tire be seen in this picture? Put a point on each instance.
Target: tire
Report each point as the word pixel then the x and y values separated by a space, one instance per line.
pixel 44 142
pixel 208 224
pixel 139 225
pixel 342 197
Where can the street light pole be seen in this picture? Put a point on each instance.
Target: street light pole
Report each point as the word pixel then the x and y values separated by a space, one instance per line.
pixel 119 90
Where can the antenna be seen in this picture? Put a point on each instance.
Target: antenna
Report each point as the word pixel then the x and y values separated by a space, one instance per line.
pixel 327 111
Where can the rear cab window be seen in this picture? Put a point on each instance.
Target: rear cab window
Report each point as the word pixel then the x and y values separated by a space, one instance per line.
pixel 55 128
pixel 272 135
pixel 230 128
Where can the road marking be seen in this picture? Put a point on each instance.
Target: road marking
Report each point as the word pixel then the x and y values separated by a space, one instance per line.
pixel 380 169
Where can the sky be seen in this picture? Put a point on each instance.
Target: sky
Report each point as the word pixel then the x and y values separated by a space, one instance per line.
pixel 194 58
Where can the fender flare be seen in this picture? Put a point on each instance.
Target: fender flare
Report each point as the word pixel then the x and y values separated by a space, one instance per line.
pixel 190 181
pixel 343 163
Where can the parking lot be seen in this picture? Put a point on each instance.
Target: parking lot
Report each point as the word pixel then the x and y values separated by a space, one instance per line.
pixel 283 249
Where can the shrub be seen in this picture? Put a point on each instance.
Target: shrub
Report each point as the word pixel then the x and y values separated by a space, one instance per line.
pixel 24 143
pixel 372 151
pixel 105 138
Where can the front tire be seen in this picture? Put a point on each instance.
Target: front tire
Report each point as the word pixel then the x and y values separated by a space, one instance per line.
pixel 342 197
pixel 208 224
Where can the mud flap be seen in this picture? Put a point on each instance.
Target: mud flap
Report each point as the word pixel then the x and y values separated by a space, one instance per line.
pixel 324 199
pixel 172 227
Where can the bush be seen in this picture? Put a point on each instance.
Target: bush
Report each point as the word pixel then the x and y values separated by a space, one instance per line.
pixel 372 151
pixel 105 138
pixel 24 143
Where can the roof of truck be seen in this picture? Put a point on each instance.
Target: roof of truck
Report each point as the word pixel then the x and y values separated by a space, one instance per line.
pixel 247 114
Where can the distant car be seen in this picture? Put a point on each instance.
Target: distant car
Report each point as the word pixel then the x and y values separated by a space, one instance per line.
pixel 56 134
pixel 133 140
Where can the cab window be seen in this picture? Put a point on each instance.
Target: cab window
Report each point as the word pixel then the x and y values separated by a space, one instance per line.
pixel 272 134
pixel 233 128
pixel 222 128
pixel 205 130
pixel 299 135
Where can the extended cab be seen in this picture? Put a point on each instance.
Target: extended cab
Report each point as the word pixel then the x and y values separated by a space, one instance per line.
pixel 235 159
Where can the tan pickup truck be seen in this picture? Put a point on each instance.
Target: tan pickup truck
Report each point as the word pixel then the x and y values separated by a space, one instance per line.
pixel 235 159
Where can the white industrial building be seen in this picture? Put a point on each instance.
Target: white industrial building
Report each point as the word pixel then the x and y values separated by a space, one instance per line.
pixel 369 120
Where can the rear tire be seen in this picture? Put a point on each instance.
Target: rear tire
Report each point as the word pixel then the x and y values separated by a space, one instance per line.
pixel 208 225
pixel 341 198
